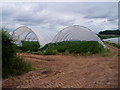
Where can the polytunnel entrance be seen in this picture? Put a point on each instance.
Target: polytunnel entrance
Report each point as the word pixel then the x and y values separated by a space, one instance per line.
pixel 26 39
pixel 24 34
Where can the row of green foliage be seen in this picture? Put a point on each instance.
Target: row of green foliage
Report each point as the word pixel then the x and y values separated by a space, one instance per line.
pixel 113 44
pixel 105 36
pixel 11 63
pixel 110 32
pixel 74 47
pixel 29 46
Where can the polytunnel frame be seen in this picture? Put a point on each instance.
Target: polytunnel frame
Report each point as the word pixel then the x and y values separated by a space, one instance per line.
pixel 68 33
pixel 57 35
pixel 69 30
pixel 28 33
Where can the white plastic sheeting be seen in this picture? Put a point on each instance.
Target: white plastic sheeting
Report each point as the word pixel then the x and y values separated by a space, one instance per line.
pixel 26 34
pixel 76 33
pixel 113 40
pixel 72 33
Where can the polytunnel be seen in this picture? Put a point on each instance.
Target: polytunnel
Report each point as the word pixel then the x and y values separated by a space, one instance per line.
pixel 26 34
pixel 113 40
pixel 76 33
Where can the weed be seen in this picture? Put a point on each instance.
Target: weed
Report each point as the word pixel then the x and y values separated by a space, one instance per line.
pixel 11 63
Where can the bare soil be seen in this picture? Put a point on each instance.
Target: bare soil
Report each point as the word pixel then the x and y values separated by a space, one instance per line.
pixel 58 71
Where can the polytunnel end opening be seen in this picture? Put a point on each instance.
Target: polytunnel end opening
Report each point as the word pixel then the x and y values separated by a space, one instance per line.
pixel 26 39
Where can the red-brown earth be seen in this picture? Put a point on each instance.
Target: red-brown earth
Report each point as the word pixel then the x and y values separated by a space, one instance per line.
pixel 59 71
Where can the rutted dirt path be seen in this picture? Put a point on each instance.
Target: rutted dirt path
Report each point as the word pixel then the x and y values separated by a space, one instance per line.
pixel 57 71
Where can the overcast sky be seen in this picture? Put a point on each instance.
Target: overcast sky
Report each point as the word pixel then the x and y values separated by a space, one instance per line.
pixel 96 16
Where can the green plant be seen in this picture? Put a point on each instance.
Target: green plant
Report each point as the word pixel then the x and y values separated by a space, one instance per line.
pixel 87 54
pixel 29 46
pixel 66 52
pixel 74 47
pixel 49 52
pixel 11 63
pixel 106 52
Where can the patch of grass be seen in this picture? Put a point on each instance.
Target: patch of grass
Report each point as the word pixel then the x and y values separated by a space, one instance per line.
pixel 112 44
pixel 49 52
pixel 66 52
pixel 106 52
pixel 17 67
pixel 105 36
pixel 87 54
pixel 40 68
pixel 12 64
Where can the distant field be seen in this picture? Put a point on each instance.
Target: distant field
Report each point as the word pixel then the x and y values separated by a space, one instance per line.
pixel 106 36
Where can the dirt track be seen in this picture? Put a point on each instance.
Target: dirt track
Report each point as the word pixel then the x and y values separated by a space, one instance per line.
pixel 68 72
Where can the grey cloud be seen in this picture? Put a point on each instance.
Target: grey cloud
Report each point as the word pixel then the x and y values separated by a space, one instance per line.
pixel 102 12
pixel 52 14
